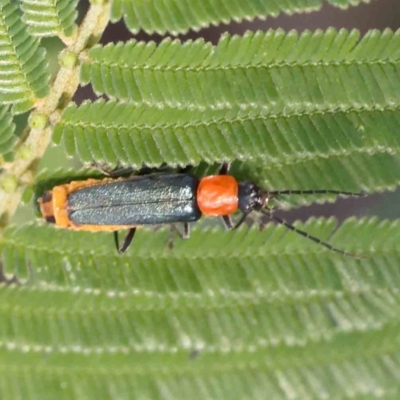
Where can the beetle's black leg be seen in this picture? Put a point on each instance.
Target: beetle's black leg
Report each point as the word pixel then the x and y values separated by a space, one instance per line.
pixel 103 168
pixel 116 240
pixel 183 235
pixel 184 170
pixel 128 240
pixel 224 168
pixel 162 169
pixel 123 171
pixel 241 220
pixel 119 171
pixel 186 230
pixel 227 220
pixel 114 172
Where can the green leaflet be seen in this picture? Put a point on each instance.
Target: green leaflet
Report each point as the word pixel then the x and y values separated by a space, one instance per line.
pixel 23 71
pixel 50 17
pixel 7 128
pixel 270 306
pixel 178 16
pixel 275 97
pixel 55 248
pixel 274 70
pixel 136 135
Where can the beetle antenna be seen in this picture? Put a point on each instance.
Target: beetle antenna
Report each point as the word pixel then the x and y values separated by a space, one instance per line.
pixel 318 191
pixel 269 214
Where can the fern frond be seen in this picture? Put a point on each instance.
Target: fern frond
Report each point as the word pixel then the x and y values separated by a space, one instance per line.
pixel 7 128
pixel 355 171
pixel 294 72
pixel 271 307
pixel 273 96
pixel 23 68
pixel 127 134
pixel 198 263
pixel 178 16
pixel 50 17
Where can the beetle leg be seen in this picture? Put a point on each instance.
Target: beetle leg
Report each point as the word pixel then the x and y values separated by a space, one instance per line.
pixel 162 169
pixel 241 220
pixel 126 171
pixel 183 235
pixel 186 230
pixel 227 220
pixel 127 242
pixel 224 168
pixel 112 172
pixel 184 170
pixel 103 168
pixel 121 171
pixel 116 240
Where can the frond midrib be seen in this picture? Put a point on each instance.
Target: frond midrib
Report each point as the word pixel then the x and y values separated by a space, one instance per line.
pixel 178 300
pixel 238 67
pixel 312 250
pixel 286 114
pixel 303 356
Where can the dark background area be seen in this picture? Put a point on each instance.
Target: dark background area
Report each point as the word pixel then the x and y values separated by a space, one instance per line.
pixel 378 14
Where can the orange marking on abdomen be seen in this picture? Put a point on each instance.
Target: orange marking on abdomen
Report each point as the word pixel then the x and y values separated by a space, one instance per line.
pixel 218 195
pixel 60 207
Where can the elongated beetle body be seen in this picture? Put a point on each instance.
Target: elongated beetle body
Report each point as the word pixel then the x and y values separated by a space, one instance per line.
pixel 163 198
pixel 112 204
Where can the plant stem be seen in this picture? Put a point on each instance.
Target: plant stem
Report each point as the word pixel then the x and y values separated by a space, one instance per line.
pixel 49 110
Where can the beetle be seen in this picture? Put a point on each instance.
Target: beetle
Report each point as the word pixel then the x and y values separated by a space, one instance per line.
pixel 111 204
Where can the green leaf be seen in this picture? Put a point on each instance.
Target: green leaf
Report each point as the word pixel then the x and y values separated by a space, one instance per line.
pixel 271 307
pixel 7 129
pixel 290 72
pixel 178 16
pixel 23 68
pixel 136 135
pixel 276 97
pixel 50 17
